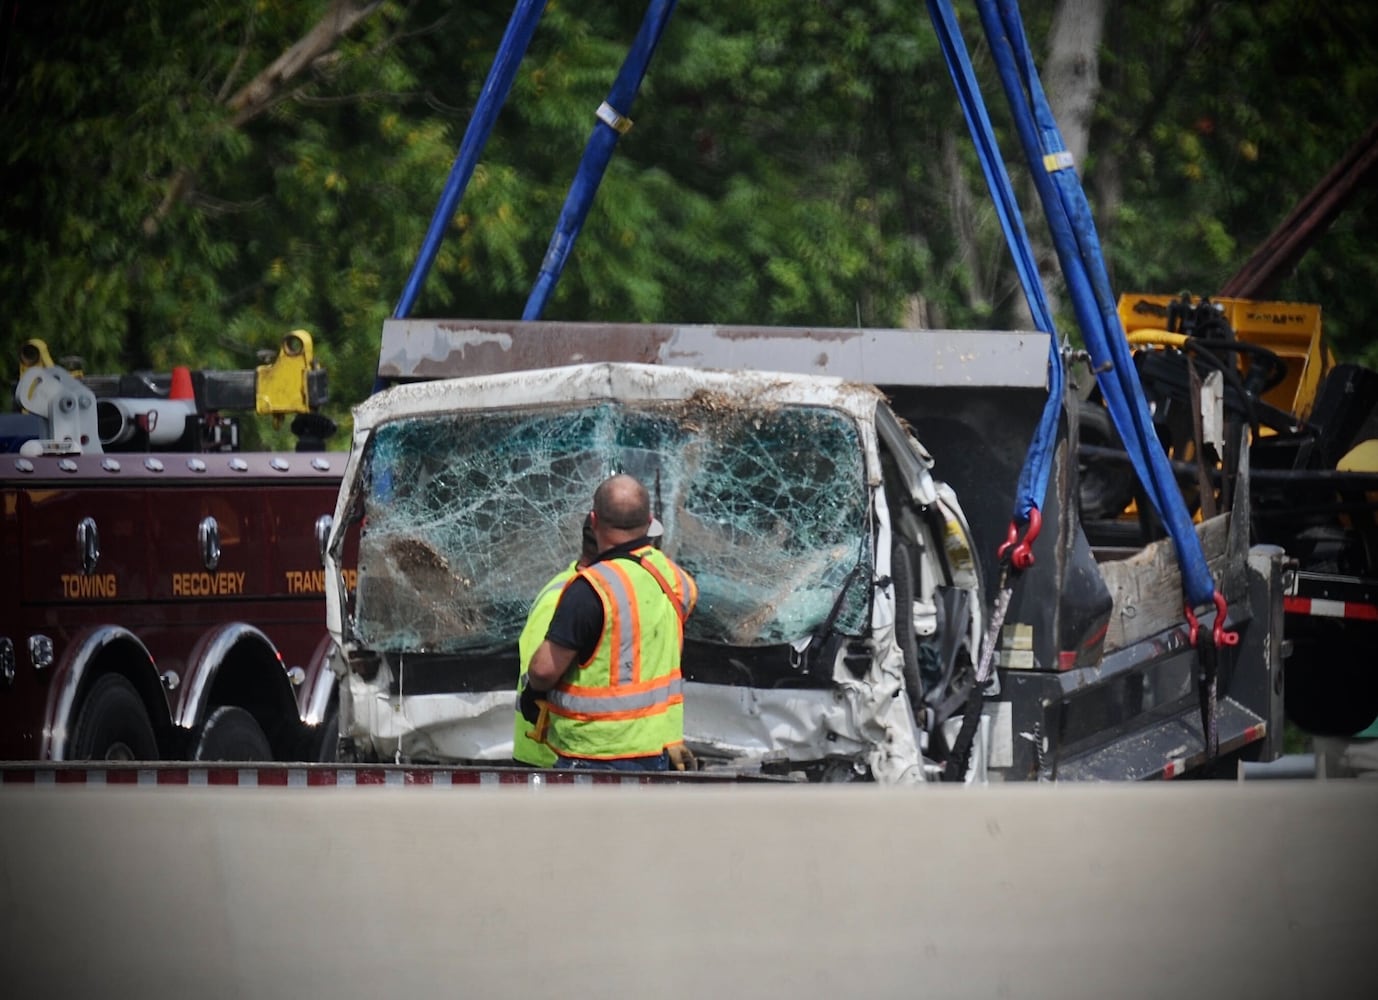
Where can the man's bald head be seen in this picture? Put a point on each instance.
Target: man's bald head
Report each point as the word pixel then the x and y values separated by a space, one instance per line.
pixel 622 507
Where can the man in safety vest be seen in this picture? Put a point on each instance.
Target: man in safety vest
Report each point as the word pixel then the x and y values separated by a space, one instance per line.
pixel 528 745
pixel 609 668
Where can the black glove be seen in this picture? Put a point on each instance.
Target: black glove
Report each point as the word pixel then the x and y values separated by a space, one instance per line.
pixel 527 705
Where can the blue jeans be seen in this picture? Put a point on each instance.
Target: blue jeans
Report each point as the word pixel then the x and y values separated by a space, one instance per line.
pixel 655 762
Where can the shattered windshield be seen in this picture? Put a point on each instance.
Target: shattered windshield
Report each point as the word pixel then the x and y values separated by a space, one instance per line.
pixel 468 515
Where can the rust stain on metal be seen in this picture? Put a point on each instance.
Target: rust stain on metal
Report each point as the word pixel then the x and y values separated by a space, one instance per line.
pixel 542 345
pixel 826 334
pixel 448 348
pixel 486 347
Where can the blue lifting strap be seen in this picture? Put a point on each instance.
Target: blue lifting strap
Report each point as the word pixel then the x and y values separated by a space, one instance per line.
pixel 1033 478
pixel 526 15
pixel 1078 247
pixel 613 122
pixel 1083 265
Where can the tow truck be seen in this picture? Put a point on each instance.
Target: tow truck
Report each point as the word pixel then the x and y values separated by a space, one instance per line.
pixel 163 594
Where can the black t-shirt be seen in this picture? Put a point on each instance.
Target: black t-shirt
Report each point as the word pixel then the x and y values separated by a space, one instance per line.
pixel 578 620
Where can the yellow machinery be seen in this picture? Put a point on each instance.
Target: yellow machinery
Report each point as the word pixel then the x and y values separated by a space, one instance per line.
pixel 1290 330
pixel 283 385
pixel 148 409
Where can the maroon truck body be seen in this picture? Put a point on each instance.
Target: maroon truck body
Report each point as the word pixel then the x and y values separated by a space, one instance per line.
pixel 194 577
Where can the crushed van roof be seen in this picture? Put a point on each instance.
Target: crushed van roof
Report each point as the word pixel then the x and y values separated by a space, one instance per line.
pixel 627 383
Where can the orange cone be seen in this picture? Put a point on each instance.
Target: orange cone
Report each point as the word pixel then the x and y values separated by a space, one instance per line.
pixel 181 384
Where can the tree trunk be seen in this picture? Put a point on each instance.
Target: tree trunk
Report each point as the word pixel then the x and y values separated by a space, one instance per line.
pixel 962 213
pixel 267 86
pixel 1072 75
pixel 1071 80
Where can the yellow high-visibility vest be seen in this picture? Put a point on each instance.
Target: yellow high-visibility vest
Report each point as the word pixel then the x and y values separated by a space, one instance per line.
pixel 684 592
pixel 524 748
pixel 619 702
pixel 672 578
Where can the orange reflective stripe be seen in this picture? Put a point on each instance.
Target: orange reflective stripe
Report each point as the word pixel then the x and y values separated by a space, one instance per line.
pixel 685 596
pixel 691 591
pixel 649 567
pixel 598 691
pixel 627 716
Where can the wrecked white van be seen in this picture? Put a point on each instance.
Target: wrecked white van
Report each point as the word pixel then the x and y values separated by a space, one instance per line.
pixel 839 602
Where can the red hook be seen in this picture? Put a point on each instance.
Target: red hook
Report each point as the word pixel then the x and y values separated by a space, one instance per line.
pixel 1022 557
pixel 1218 633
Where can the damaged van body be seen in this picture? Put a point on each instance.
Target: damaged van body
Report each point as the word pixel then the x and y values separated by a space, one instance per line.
pixel 784 496
pixel 844 591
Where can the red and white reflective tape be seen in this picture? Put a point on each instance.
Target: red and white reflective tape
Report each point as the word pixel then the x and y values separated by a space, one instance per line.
pixel 303 777
pixel 1180 765
pixel 1326 608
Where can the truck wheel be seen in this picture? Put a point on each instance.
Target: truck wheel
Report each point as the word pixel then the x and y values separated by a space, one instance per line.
pixel 322 743
pixel 231 733
pixel 113 724
pixel 1330 688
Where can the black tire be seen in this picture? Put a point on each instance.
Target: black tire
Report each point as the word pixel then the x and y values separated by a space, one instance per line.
pixel 1329 685
pixel 230 733
pixel 113 724
pixel 322 743
pixel 1105 487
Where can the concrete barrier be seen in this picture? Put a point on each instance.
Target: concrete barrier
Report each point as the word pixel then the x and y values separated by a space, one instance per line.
pixel 1204 890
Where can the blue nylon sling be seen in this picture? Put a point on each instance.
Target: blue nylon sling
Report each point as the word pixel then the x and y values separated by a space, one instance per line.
pixel 1032 487
pixel 1079 253
pixel 597 153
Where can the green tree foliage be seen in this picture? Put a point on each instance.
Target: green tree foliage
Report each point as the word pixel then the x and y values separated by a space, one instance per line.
pixel 1219 117
pixel 796 163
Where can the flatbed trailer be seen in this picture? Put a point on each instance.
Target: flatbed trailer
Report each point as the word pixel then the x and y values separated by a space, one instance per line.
pixel 1098 672
pixel 172 774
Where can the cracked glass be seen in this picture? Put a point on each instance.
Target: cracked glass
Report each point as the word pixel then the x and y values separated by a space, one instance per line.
pixel 468 515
